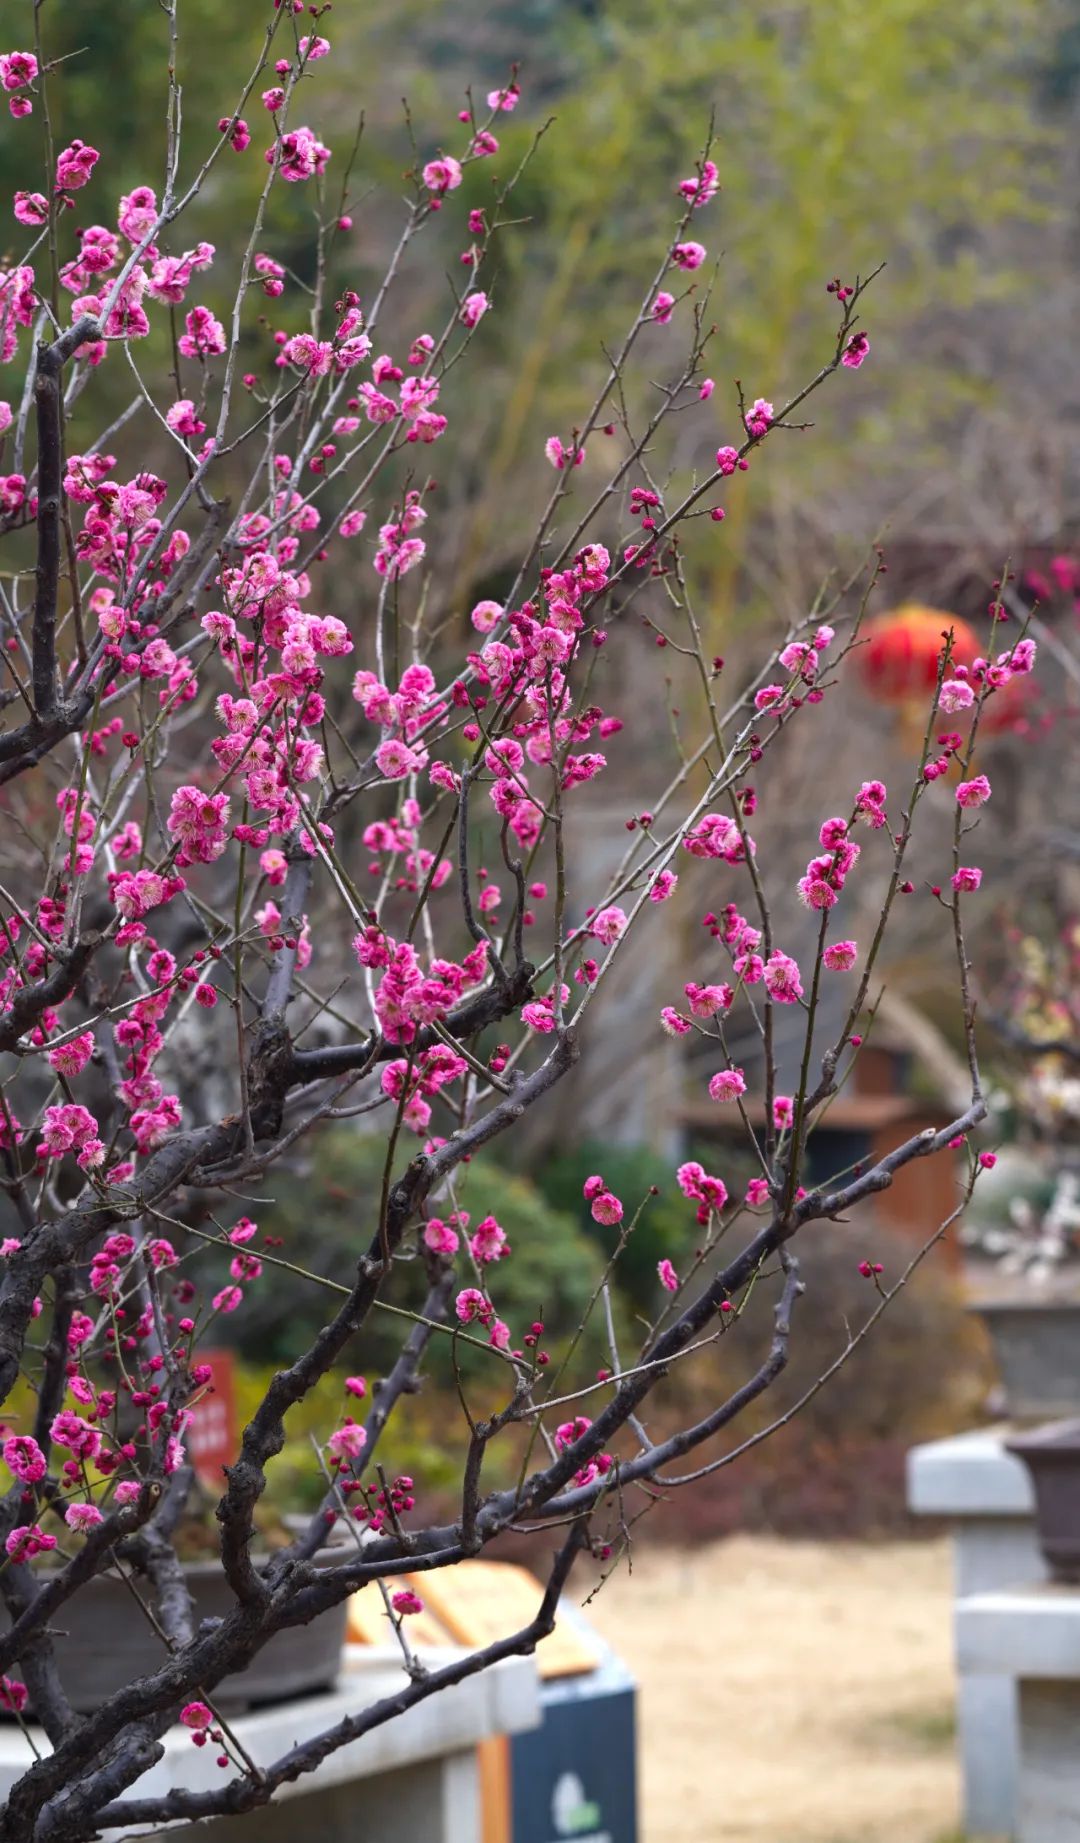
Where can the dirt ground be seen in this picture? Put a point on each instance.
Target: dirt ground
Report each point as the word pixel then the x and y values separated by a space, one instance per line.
pixel 791 1692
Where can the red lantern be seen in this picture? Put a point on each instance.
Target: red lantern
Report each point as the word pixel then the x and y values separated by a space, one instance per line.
pixel 900 660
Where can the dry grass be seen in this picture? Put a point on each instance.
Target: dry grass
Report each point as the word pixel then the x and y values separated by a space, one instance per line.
pixel 791 1692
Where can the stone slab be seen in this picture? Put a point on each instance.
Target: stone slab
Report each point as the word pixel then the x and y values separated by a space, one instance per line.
pixel 968 1475
pixel 1048 1804
pixel 438 1801
pixel 501 1700
pixel 993 1552
pixel 987 1725
pixel 1021 1632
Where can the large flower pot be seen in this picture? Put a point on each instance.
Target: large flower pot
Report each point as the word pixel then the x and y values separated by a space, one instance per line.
pixel 102 1643
pixel 1052 1456
pixel 1037 1346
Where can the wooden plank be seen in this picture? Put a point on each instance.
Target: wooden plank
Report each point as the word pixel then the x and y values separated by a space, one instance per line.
pixel 474 1603
pixel 368 1623
pixel 480 1601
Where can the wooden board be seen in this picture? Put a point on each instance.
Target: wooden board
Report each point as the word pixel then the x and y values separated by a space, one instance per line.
pixel 368 1623
pixel 475 1603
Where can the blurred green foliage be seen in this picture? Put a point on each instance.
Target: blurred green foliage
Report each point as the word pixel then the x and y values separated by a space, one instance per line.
pixel 666 1224
pixel 326 1210
pixel 426 1438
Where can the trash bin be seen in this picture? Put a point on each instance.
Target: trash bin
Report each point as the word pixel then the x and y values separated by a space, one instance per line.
pixel 575 1777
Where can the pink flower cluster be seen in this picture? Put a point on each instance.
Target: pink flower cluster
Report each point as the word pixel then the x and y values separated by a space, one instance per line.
pixel 414 1089
pixel 471 1305
pixel 69 1127
pixel 826 875
pixel 604 1205
pixel 567 1435
pixel 709 1193
pixel 407 998
pixel 199 824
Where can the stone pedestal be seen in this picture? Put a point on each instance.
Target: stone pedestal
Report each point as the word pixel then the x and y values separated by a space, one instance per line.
pixel 985 1494
pixel 415 1779
pixel 1031 1637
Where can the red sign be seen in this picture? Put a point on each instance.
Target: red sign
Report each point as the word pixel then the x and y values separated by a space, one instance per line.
pixel 212 1440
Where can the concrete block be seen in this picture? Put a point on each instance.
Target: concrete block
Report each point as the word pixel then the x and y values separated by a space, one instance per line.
pixel 1048 1805
pixel 986 1494
pixel 419 1767
pixel 969 1475
pixel 993 1552
pixel 988 1739
pixel 1021 1632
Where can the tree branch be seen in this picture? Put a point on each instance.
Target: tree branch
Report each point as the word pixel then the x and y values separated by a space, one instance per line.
pixel 467 1020
pixel 31 1002
pixel 47 404
pixel 248 1794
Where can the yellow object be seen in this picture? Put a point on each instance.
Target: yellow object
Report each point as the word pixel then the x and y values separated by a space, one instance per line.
pixel 474 1603
pixel 481 1601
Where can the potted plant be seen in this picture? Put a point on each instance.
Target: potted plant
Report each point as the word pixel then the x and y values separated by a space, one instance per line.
pixel 1052 1457
pixel 102 1641
pixel 1026 1221
pixel 1031 1307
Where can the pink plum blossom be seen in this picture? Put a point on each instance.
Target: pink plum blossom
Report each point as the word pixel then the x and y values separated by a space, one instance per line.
pixel 974 792
pixel 840 956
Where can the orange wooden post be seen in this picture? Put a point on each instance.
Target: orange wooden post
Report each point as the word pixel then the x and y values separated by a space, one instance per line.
pixel 493 1761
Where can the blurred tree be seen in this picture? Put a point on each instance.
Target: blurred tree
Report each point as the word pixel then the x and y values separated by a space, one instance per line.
pixel 845 135
pixel 1061 70
pixel 131 41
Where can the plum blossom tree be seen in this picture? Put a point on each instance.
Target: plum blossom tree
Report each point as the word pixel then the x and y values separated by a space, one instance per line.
pixel 237 819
